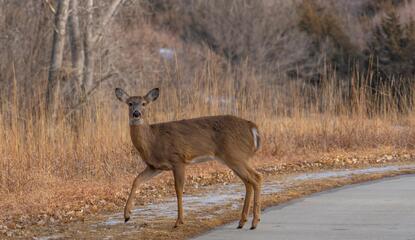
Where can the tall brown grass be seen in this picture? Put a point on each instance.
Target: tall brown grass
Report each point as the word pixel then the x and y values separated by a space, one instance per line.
pixel 294 117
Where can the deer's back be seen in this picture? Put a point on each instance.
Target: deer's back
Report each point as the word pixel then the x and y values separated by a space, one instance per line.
pixel 219 136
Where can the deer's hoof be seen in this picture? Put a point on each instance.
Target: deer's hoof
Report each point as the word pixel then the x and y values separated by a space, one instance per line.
pixel 241 225
pixel 126 219
pixel 255 223
pixel 178 223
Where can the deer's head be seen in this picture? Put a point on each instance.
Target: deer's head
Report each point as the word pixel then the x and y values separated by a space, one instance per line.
pixel 137 104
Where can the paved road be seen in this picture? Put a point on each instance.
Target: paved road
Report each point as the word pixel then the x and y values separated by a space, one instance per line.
pixel 377 210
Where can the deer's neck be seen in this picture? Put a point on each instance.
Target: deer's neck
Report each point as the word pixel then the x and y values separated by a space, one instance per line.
pixel 142 138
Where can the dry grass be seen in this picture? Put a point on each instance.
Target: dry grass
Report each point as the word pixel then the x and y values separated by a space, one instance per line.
pixel 293 119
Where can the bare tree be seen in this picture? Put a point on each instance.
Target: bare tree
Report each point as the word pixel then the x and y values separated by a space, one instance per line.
pixel 52 93
pixel 83 47
pixel 106 19
pixel 91 39
pixel 88 45
pixel 77 50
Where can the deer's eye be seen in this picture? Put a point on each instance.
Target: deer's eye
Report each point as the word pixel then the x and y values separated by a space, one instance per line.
pixel 130 104
pixel 143 104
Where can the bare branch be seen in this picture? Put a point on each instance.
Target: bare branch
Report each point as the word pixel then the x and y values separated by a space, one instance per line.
pixel 51 7
pixel 106 19
pixel 88 95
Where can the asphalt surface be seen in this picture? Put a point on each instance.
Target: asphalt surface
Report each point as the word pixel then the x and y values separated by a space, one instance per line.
pixel 376 210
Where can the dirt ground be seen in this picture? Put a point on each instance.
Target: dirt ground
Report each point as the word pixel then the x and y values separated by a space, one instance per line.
pixel 213 196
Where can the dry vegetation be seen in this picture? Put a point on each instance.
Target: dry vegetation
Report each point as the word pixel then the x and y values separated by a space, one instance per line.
pixel 297 80
pixel 293 120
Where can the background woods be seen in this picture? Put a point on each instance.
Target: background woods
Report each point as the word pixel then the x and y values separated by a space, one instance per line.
pixel 84 33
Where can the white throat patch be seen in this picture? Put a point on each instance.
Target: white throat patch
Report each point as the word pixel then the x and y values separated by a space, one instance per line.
pixel 135 122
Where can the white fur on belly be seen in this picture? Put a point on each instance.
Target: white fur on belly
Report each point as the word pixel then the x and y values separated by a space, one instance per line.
pixel 201 159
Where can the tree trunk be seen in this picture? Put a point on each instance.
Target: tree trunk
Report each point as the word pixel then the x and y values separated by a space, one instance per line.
pixel 58 45
pixel 77 51
pixel 75 94
pixel 89 51
pixel 91 40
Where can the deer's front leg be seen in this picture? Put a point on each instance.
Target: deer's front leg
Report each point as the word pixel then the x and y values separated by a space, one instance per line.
pixel 141 178
pixel 179 176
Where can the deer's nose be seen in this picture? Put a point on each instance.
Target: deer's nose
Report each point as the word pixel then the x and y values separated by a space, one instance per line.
pixel 136 114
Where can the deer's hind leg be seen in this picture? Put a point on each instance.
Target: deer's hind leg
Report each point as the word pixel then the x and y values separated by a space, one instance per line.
pixel 247 202
pixel 252 181
pixel 257 183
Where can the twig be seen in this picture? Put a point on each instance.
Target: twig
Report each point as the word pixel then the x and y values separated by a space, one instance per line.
pixel 88 94
pixel 52 9
pixel 111 11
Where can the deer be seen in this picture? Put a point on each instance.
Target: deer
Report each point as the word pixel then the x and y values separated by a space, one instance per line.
pixel 171 146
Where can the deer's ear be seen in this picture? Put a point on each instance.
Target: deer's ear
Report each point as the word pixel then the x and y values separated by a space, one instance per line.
pixel 152 95
pixel 121 95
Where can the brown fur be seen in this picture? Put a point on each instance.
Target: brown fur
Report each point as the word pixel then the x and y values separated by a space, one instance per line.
pixel 173 145
pixel 164 145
